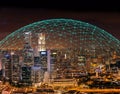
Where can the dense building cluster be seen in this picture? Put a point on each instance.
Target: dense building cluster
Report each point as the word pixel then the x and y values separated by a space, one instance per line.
pixel 57 49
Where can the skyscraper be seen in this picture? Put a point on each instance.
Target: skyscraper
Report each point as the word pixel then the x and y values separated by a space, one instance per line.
pixel 28 60
pixel 15 67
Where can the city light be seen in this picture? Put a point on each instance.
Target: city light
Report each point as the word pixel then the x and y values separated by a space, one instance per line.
pixel 60 53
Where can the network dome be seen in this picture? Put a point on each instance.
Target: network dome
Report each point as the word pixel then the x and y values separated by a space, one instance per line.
pixel 64 34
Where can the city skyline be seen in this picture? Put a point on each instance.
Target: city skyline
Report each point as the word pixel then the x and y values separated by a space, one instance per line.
pixel 59 47
pixel 82 53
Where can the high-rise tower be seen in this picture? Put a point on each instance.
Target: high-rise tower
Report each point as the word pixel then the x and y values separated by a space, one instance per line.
pixel 28 59
pixel 28 51
pixel 41 42
pixel 15 68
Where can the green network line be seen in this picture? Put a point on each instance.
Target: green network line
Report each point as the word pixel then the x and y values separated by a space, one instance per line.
pixel 78 31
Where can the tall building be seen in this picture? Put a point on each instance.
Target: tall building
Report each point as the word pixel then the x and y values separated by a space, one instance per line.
pixel 37 61
pixel 15 67
pixel 28 54
pixel 28 59
pixel 51 59
pixel 37 74
pixel 41 42
pixel 26 75
pixel 7 70
pixel 43 60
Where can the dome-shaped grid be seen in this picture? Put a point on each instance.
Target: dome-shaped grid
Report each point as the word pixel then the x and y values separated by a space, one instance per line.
pixel 63 34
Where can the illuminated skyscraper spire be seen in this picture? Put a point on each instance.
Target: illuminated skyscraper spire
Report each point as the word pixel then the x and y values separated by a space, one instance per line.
pixel 41 42
pixel 27 37
pixel 28 51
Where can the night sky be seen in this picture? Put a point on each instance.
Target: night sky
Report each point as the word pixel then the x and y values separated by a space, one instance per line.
pixel 16 14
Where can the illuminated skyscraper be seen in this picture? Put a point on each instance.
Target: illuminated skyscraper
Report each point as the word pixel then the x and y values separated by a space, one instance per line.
pixel 28 51
pixel 37 74
pixel 7 66
pixel 27 37
pixel 28 59
pixel 15 67
pixel 41 42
